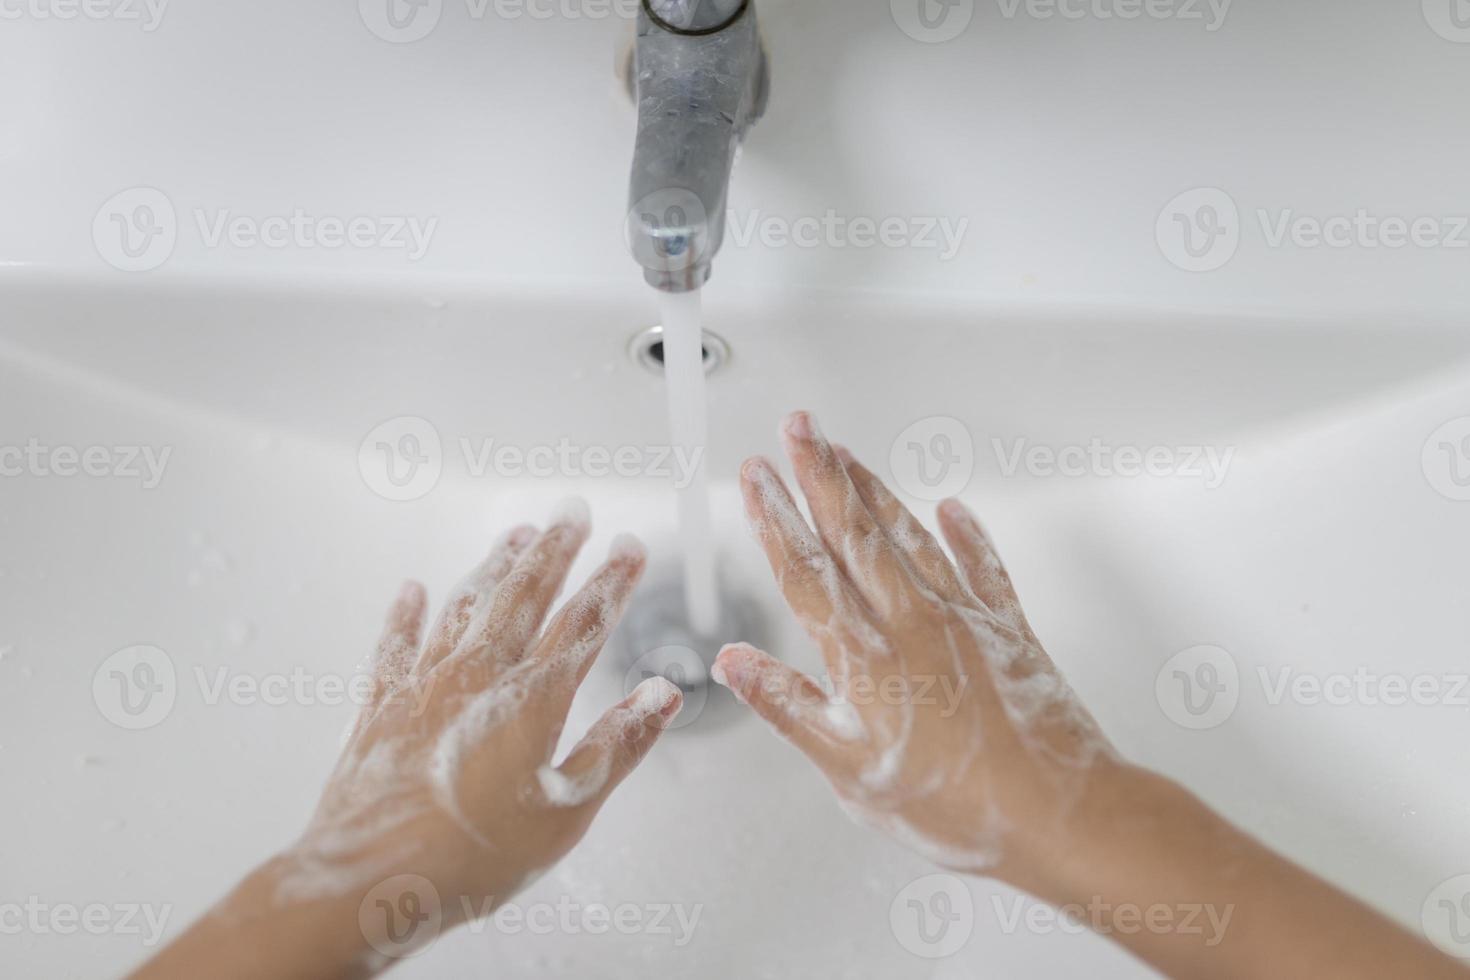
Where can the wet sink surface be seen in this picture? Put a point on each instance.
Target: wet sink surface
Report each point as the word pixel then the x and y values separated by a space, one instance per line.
pixel 265 553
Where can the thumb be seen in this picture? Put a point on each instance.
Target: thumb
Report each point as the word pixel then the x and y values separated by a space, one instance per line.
pixel 613 747
pixel 793 703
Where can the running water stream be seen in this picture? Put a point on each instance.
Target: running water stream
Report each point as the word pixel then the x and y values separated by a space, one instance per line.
pixel 689 434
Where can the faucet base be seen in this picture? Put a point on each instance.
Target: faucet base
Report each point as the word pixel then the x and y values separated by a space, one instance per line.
pixel 681 281
pixel 656 639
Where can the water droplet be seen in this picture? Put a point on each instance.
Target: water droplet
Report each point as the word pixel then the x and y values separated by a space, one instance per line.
pixel 239 633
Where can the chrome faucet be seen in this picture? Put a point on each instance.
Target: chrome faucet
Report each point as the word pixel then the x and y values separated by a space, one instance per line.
pixel 700 80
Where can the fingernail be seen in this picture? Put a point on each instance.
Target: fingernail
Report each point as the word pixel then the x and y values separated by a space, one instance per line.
pixel 521 536
pixel 572 512
pixel 801 425
pixel 955 510
pixel 730 667
pixel 843 456
pixel 627 548
pixel 657 696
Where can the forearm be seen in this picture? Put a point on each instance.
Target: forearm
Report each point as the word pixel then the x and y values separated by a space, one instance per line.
pixel 252 934
pixel 1153 867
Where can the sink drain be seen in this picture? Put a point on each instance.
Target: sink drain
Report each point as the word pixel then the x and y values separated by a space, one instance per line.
pixel 647 350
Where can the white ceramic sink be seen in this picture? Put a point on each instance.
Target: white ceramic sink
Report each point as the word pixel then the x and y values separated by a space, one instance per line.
pixel 1330 383
pixel 264 550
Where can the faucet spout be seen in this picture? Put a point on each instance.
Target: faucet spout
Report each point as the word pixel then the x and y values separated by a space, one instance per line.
pixel 700 80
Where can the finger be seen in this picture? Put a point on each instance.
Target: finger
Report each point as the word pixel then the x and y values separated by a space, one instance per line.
pixel 981 564
pixel 502 631
pixel 578 633
pixel 793 704
pixel 930 565
pixel 397 649
pixel 843 522
pixel 613 747
pixel 817 591
pixel 475 589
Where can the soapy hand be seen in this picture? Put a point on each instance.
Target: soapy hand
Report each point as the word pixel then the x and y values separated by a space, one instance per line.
pixel 944 722
pixel 447 774
pixel 445 801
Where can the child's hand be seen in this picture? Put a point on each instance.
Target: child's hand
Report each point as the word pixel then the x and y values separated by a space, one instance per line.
pixel 948 726
pixel 445 793
pixel 447 774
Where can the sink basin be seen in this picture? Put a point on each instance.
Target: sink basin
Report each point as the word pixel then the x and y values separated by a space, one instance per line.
pixel 1224 451
pixel 1331 542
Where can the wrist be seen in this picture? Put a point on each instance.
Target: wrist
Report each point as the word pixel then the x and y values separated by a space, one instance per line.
pixel 322 926
pixel 1121 812
pixel 259 930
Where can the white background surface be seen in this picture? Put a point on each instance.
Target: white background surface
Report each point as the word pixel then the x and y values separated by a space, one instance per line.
pixel 1327 549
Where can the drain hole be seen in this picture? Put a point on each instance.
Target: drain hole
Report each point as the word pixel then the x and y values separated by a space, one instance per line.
pixel 647 350
pixel 657 353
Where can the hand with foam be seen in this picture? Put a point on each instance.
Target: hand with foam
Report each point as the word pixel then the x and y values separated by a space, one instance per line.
pixel 445 801
pixel 945 724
